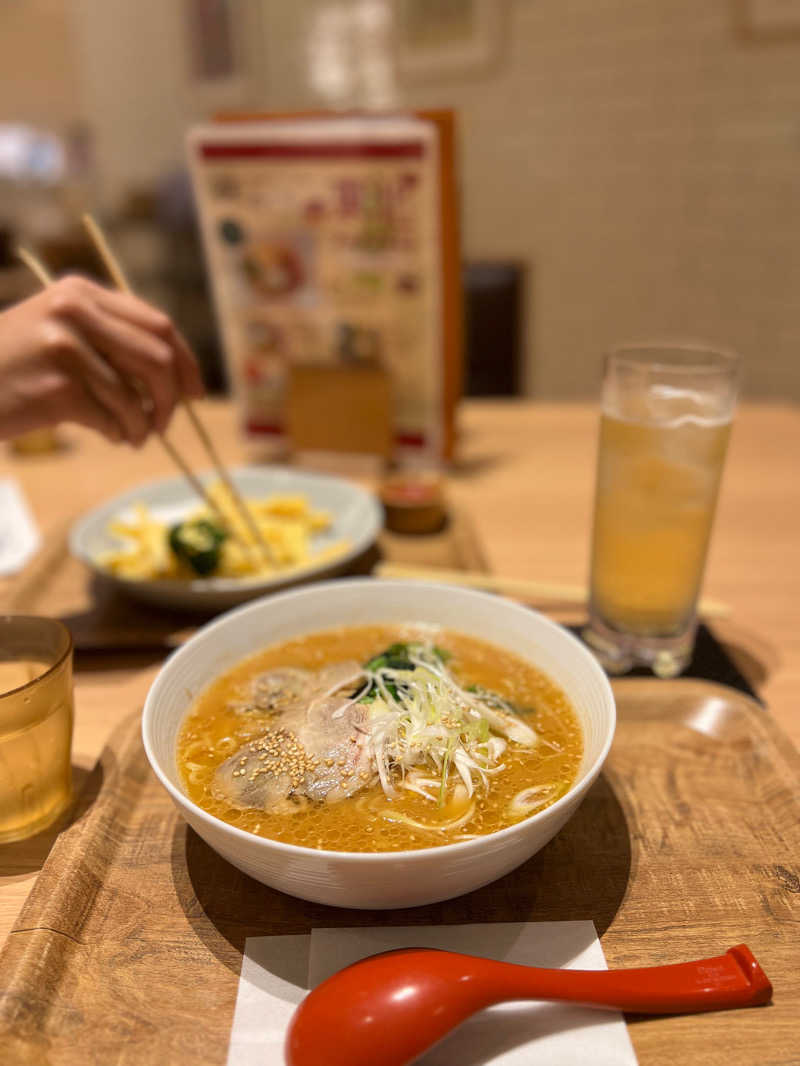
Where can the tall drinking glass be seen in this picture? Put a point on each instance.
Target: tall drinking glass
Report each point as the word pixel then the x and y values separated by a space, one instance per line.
pixel 35 724
pixel 665 422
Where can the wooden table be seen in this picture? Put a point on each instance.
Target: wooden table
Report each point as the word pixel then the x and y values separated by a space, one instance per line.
pixel 525 475
pixel 527 479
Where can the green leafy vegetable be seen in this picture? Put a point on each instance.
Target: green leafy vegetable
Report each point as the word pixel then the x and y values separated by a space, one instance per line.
pixel 395 657
pixel 399 657
pixel 197 542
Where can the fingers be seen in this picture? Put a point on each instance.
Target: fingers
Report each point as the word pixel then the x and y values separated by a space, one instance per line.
pixel 134 310
pixel 191 383
pixel 93 392
pixel 136 354
pixel 62 397
pixel 87 412
pixel 132 307
pixel 140 342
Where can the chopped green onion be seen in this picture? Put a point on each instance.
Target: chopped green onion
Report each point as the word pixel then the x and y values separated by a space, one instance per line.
pixel 420 717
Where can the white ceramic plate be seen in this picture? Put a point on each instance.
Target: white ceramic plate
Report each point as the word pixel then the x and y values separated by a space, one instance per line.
pixel 356 518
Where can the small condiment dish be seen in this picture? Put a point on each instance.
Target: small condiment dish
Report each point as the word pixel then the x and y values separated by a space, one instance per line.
pixel 414 503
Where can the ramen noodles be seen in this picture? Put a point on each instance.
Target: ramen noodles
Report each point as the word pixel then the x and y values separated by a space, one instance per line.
pixel 379 738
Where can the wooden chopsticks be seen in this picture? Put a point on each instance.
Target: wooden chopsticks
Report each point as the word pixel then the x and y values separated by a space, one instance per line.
pixel 514 587
pixel 117 274
pixel 35 265
pixel 114 268
pixel 46 278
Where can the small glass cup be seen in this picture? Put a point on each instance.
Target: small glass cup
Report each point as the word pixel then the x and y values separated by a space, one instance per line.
pixel 36 713
pixel 664 428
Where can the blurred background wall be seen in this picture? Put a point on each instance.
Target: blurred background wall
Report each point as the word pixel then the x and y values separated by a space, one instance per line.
pixel 641 158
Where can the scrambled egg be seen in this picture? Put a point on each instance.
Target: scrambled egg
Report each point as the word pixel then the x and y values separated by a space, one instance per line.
pixel 286 523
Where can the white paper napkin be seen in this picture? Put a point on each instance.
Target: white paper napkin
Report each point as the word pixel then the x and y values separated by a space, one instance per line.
pixel 277 971
pixel 19 535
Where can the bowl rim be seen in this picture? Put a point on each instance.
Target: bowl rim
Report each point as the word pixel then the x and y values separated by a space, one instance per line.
pixel 575 791
pixel 365 538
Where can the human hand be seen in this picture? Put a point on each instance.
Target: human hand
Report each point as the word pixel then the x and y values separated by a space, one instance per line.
pixel 77 352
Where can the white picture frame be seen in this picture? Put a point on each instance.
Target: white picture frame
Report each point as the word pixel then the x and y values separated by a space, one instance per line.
pixel 437 39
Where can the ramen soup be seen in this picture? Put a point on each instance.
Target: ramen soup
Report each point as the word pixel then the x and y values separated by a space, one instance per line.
pixel 379 738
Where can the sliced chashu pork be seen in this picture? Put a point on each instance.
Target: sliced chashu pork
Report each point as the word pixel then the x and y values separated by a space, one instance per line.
pixel 280 690
pixel 316 748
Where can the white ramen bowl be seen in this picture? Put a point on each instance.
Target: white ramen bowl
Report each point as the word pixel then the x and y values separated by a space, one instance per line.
pixel 387 879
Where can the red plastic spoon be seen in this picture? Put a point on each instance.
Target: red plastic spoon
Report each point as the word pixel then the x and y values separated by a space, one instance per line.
pixel 389 1008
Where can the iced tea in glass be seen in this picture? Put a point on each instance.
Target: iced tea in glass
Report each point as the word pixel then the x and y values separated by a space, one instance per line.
pixel 664 428
pixel 36 714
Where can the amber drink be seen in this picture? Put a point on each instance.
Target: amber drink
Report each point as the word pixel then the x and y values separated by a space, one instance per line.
pixel 36 713
pixel 664 427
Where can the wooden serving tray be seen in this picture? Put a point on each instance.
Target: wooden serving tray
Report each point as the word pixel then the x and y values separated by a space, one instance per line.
pixel 102 618
pixel 129 948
